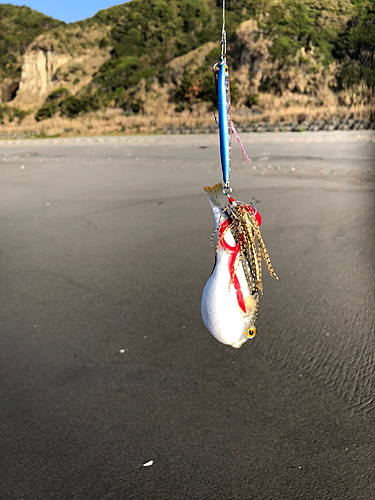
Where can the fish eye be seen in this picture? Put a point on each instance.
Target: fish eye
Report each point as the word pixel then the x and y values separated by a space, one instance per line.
pixel 251 332
pixel 226 69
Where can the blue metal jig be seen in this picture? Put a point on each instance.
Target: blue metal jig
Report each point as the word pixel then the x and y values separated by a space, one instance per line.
pixel 225 123
pixel 225 130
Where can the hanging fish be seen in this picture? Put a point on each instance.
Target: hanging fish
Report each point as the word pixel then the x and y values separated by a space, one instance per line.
pixel 230 299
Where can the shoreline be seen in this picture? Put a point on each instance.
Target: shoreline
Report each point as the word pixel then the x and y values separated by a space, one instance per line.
pixel 280 127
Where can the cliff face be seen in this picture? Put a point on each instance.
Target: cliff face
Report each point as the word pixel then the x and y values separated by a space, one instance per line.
pixel 19 26
pixel 38 69
pixel 65 57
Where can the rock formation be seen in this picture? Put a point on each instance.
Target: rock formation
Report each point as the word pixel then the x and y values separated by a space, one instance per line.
pixel 8 90
pixel 39 66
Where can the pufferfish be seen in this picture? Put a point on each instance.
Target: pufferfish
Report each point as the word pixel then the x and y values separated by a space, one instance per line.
pixel 230 299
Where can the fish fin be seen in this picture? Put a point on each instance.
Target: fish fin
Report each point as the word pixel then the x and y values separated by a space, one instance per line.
pixel 216 196
pixel 238 344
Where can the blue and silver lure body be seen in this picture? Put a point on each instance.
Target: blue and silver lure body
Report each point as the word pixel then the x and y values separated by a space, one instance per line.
pixel 221 73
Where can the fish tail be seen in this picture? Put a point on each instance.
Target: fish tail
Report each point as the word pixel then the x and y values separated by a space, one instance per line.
pixel 216 196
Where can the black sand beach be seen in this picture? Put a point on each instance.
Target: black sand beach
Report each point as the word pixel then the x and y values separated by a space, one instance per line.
pixel 105 362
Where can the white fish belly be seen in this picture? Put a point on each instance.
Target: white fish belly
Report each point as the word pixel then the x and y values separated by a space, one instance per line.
pixel 221 312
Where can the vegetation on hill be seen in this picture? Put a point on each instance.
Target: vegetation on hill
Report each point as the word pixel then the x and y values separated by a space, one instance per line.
pixel 303 46
pixel 12 113
pixel 148 34
pixel 355 47
pixel 19 26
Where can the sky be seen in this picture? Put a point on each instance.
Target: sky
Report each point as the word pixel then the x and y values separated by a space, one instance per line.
pixel 67 10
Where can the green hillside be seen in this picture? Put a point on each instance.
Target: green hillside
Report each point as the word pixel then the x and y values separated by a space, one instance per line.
pixel 147 34
pixel 19 26
pixel 304 46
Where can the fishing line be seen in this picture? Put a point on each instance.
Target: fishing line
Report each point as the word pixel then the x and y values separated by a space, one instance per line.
pixel 223 15
pixel 223 35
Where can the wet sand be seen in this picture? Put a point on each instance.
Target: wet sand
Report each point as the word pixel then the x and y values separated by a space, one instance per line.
pixel 105 362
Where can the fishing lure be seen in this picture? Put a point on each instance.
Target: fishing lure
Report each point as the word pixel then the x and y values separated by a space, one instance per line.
pixel 230 300
pixel 226 127
pixel 221 73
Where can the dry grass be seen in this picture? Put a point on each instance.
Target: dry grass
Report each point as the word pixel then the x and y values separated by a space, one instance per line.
pixel 297 114
pixel 113 121
pixel 191 61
